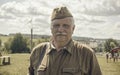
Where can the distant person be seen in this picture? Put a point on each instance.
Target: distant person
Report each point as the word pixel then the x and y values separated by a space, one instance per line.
pixel 107 56
pixel 110 56
pixel 116 56
pixel 62 55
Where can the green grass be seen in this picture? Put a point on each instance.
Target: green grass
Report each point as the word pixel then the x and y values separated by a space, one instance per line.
pixel 19 65
pixel 110 68
pixel 5 38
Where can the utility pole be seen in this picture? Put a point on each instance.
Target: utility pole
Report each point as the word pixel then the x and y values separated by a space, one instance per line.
pixel 31 34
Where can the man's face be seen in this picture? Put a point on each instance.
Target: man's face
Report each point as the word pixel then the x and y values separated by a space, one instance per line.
pixel 62 29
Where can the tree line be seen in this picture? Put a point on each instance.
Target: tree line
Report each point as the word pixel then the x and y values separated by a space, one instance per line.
pixel 20 44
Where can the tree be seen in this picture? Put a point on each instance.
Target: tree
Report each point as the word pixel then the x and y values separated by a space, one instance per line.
pixel 110 44
pixel 7 45
pixel 18 44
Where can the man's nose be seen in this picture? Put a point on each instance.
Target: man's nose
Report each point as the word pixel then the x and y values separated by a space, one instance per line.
pixel 61 28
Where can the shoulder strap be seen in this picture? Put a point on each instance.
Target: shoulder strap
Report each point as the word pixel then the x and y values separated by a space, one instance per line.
pixel 42 54
pixel 33 71
pixel 43 59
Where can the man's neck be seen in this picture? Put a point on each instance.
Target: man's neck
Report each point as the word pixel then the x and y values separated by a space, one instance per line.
pixel 59 45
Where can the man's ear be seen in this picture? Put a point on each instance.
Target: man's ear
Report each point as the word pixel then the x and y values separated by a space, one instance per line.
pixel 73 27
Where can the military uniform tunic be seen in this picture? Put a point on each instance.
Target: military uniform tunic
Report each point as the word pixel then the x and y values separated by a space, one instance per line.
pixel 73 59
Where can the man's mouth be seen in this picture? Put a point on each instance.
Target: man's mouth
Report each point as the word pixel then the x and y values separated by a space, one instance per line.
pixel 61 34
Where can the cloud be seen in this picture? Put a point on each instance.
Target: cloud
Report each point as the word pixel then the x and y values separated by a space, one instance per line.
pixel 20 9
pixel 118 26
pixel 101 7
pixel 17 15
pixel 93 18
pixel 6 1
pixel 96 21
pixel 14 8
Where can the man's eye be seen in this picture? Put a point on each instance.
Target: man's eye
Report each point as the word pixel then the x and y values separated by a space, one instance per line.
pixel 66 26
pixel 56 26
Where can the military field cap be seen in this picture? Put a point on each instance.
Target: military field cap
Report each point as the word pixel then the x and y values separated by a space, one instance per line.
pixel 61 12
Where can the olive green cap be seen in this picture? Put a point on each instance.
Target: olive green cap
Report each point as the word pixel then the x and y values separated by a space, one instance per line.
pixel 61 12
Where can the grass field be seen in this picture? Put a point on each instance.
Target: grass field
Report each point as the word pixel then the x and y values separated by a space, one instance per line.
pixel 5 38
pixel 110 68
pixel 19 65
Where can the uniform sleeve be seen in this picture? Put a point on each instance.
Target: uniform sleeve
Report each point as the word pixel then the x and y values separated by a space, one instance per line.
pixel 94 66
pixel 35 58
pixel 30 68
pixel 88 61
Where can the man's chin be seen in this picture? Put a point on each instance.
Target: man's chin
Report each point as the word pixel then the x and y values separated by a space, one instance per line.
pixel 61 37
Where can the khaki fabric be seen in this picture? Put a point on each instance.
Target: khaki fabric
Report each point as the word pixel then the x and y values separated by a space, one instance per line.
pixel 60 12
pixel 74 59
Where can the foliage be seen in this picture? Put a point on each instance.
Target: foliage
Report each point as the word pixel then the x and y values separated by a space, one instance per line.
pixel 8 40
pixel 41 40
pixel 7 45
pixel 0 45
pixel 18 44
pixel 0 42
pixel 110 44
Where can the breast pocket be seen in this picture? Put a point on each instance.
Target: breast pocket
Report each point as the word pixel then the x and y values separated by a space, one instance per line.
pixel 69 71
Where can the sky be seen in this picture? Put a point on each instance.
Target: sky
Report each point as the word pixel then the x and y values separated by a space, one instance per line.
pixel 93 18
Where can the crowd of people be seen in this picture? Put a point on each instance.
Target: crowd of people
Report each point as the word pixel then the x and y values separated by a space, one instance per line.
pixel 115 56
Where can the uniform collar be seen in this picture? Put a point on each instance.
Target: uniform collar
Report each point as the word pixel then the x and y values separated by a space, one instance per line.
pixel 68 47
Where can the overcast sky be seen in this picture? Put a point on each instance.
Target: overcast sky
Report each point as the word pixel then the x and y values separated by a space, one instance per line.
pixel 93 18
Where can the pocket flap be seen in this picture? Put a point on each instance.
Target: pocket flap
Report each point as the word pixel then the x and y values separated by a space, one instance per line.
pixel 70 70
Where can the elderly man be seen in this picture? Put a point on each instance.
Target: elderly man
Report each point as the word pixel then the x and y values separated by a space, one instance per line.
pixel 62 55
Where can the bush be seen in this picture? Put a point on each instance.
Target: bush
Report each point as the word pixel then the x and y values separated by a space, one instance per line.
pixel 19 44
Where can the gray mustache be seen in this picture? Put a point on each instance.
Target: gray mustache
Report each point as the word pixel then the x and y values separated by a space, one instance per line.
pixel 60 34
